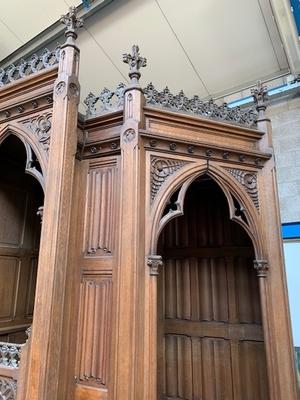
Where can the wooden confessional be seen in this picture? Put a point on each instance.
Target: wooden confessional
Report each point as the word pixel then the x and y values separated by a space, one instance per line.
pixel 160 273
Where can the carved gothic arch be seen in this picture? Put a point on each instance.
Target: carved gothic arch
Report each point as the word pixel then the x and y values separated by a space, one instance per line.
pixel 32 148
pixel 241 208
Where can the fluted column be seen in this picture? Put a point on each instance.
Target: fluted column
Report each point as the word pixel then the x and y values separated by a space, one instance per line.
pixel 47 356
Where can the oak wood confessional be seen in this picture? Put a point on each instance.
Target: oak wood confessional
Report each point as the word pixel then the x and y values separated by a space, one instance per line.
pixel 160 273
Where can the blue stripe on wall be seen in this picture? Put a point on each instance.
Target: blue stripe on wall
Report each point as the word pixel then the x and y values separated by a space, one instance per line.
pixel 291 230
pixel 296 11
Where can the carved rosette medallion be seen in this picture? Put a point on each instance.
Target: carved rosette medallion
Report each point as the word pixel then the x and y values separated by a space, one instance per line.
pixel 249 181
pixel 161 170
pixel 261 267
pixel 129 135
pixel 60 87
pixel 8 388
pixel 40 126
pixel 154 262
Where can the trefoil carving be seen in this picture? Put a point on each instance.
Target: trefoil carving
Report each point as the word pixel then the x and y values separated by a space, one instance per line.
pixel 161 170
pixel 249 181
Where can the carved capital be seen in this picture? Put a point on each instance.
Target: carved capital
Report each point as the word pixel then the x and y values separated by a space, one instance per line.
pixel 260 96
pixel 261 267
pixel 154 262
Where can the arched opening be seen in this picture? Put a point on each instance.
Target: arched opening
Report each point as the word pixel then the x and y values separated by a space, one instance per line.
pixel 21 196
pixel 210 336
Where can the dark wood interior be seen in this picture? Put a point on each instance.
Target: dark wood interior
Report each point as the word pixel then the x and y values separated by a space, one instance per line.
pixel 20 197
pixel 210 337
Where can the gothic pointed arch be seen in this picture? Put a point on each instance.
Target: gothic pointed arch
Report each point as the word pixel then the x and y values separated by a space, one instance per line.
pixel 36 156
pixel 241 207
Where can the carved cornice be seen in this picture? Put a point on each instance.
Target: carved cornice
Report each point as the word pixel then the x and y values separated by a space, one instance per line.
pixel 261 267
pixel 8 388
pixel 161 170
pixel 154 262
pixel 40 126
pixel 25 108
pixel 249 181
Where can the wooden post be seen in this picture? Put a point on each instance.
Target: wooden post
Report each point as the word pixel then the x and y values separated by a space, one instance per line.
pixel 47 356
pixel 129 291
pixel 271 275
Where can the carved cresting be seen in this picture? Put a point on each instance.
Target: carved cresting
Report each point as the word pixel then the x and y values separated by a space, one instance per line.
pixel 40 126
pixel 161 170
pixel 249 181
pixel 154 262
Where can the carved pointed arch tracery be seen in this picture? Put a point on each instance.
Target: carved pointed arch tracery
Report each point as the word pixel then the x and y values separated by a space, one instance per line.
pixel 242 209
pixel 35 146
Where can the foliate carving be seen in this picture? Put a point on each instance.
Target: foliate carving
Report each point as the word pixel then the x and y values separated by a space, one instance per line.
pixel 10 354
pixel 194 105
pixel 261 267
pixel 135 62
pixel 154 262
pixel 106 101
pixel 249 181
pixel 40 126
pixel 8 389
pixel 36 63
pixel 161 170
pixel 129 135
pixel 71 21
pixel 260 96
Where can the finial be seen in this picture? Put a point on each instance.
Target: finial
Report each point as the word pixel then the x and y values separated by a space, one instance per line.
pixel 260 96
pixel 72 23
pixel 135 62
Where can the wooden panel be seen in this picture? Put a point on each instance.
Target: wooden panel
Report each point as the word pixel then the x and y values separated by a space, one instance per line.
pixel 9 277
pixel 87 393
pixel 94 352
pixel 101 208
pixel 13 204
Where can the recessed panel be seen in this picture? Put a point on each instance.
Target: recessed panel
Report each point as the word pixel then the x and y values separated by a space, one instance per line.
pixel 13 205
pixel 9 275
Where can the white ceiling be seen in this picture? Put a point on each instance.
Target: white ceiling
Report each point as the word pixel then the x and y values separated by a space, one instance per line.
pixel 205 47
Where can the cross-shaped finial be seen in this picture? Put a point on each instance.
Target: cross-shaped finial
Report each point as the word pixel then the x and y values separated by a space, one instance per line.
pixel 260 95
pixel 72 22
pixel 135 62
